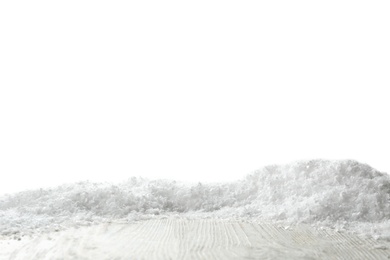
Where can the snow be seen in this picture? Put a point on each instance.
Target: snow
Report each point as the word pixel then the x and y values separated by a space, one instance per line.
pixel 181 238
pixel 342 195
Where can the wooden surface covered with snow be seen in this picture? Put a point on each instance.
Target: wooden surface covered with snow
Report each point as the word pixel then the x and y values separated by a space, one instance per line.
pixel 179 238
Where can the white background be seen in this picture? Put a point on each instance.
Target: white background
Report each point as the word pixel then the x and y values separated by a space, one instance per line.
pixel 189 90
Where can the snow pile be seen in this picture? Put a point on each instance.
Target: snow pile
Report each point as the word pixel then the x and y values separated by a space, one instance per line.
pixel 317 192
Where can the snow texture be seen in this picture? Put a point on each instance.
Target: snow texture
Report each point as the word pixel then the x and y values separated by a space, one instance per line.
pixel 344 195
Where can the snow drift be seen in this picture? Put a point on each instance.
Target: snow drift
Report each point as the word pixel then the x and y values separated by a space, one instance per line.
pixel 342 194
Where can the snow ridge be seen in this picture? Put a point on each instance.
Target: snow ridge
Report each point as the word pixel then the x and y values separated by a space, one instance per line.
pixel 317 192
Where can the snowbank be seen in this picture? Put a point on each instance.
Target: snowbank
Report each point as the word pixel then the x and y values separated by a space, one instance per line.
pixel 336 194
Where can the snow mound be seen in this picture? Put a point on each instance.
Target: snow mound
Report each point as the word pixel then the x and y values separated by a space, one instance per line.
pixel 320 190
pixel 317 192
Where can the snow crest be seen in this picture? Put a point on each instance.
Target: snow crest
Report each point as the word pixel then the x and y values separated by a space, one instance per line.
pixel 318 192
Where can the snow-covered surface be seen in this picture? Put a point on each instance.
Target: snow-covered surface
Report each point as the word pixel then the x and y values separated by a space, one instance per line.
pixel 342 195
pixel 181 238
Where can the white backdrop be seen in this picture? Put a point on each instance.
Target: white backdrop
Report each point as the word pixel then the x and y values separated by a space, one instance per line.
pixel 194 91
